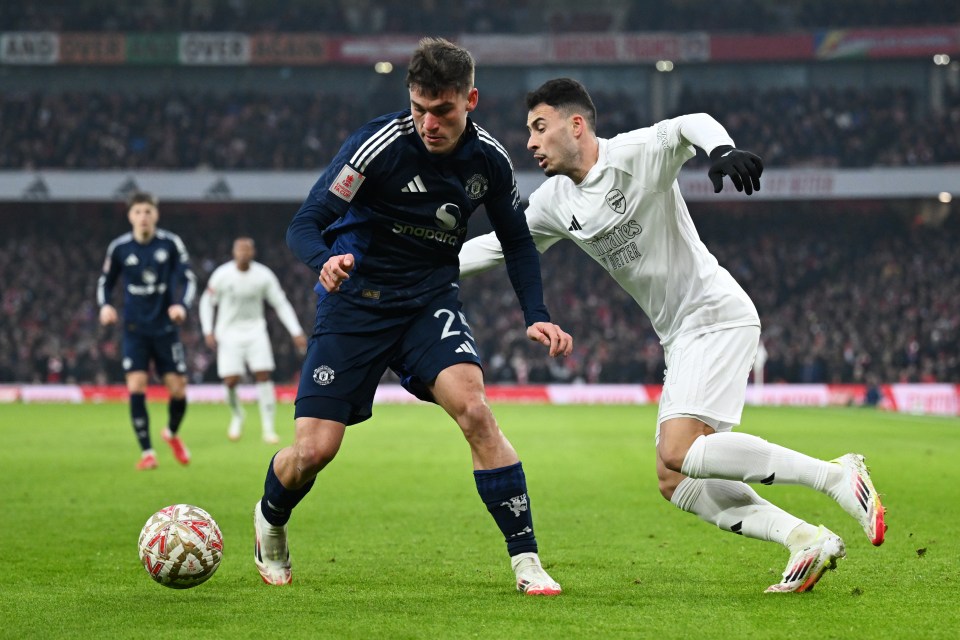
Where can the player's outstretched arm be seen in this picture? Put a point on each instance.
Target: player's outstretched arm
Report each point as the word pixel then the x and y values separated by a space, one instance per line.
pixel 743 168
pixel 480 254
pixel 551 335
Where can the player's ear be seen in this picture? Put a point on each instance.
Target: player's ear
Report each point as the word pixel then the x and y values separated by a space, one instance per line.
pixel 578 125
pixel 472 98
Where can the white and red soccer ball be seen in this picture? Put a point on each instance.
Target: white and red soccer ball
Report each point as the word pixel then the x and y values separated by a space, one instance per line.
pixel 181 546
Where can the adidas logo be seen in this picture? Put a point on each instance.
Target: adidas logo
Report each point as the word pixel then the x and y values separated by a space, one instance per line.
pixel 219 190
pixel 466 347
pixel 415 186
pixel 126 188
pixel 38 190
pixel 574 225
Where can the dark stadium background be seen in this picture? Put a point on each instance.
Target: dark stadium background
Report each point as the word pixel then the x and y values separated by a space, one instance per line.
pixel 853 263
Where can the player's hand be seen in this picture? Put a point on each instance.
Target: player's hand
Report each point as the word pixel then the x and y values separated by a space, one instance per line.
pixel 550 335
pixel 108 315
pixel 300 342
pixel 211 341
pixel 335 271
pixel 177 313
pixel 743 167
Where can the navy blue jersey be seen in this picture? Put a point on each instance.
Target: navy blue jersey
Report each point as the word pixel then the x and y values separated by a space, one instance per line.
pixel 156 275
pixel 403 212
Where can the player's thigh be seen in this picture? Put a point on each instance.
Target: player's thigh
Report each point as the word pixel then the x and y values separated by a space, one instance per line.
pixel 137 350
pixel 459 390
pixel 706 377
pixel 260 352
pixel 231 355
pixel 341 372
pixel 439 337
pixel 168 354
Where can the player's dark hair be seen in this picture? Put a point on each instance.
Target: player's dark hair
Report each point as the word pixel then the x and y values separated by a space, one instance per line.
pixel 438 65
pixel 566 95
pixel 142 197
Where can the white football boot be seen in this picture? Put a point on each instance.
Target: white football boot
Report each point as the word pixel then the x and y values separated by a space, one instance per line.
pixel 858 497
pixel 271 553
pixel 808 563
pixel 236 426
pixel 531 578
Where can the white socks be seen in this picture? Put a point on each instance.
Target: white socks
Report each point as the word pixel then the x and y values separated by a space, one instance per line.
pixel 233 401
pixel 736 507
pixel 741 456
pixel 267 397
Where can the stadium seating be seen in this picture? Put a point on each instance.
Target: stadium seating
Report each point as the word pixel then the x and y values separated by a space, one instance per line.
pixel 844 296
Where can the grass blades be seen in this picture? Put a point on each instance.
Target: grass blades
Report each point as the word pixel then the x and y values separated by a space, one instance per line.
pixel 393 542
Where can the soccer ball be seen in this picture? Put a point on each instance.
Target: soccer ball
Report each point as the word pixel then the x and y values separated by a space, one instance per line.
pixel 181 546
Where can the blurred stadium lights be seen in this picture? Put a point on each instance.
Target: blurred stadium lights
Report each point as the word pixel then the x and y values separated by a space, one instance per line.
pixel 664 66
pixel 941 59
pixel 383 67
pixel 945 197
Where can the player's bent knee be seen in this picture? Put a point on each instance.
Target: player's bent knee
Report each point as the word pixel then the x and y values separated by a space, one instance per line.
pixel 667 486
pixel 476 419
pixel 313 456
pixel 672 456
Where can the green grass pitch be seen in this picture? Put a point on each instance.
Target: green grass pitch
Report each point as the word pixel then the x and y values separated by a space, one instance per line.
pixel 393 542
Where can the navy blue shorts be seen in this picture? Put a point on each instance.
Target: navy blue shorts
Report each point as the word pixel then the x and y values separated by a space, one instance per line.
pixel 165 350
pixel 353 347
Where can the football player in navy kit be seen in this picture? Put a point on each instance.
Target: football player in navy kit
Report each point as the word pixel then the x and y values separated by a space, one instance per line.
pixel 158 288
pixel 382 228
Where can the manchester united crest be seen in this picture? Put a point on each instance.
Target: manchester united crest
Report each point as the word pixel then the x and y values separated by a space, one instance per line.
pixel 476 186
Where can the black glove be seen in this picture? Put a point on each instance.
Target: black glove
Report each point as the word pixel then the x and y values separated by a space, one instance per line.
pixel 743 167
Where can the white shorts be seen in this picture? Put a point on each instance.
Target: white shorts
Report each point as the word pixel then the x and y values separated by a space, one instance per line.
pixel 707 375
pixel 236 352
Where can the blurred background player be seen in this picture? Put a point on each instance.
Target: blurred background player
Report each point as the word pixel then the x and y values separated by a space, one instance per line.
pixel 619 201
pixel 236 292
pixel 382 227
pixel 158 288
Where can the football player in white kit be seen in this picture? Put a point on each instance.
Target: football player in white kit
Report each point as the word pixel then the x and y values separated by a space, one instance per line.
pixel 237 291
pixel 619 200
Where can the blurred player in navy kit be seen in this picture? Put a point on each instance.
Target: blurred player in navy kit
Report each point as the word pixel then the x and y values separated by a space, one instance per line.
pixel 158 288
pixel 382 227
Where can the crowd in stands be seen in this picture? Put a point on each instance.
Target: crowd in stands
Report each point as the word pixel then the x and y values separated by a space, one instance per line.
pixel 843 296
pixel 787 127
pixel 834 127
pixel 347 17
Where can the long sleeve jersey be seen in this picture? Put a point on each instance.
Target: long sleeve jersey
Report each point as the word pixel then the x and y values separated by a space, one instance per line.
pixel 403 212
pixel 629 216
pixel 155 276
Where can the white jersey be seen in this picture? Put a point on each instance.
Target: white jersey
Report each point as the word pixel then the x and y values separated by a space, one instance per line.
pixel 239 296
pixel 629 216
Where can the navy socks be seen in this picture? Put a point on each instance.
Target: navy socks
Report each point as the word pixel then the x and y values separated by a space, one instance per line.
pixel 278 501
pixel 504 491
pixel 140 419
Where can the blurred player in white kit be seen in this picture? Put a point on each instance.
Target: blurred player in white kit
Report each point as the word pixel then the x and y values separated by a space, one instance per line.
pixel 236 291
